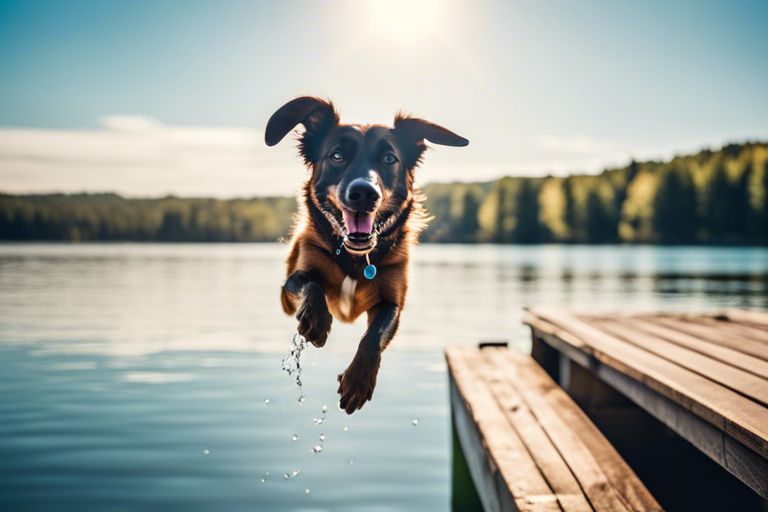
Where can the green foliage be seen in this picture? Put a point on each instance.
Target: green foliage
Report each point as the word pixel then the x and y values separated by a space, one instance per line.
pixel 674 207
pixel 711 197
pixel 85 217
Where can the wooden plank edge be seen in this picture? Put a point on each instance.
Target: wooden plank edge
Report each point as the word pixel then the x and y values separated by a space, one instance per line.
pixel 752 433
pixel 495 488
pixel 619 475
pixel 712 441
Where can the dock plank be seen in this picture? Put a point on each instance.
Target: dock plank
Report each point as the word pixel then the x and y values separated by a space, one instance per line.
pixel 542 450
pixel 758 319
pixel 605 478
pixel 744 419
pixel 728 355
pixel 737 330
pixel 747 346
pixel 511 481
pixel 736 379
pixel 531 447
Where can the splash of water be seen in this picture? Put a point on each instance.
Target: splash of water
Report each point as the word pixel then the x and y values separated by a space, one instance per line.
pixel 292 362
pixel 292 474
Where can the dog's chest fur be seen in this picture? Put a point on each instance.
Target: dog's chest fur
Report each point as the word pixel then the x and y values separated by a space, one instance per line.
pixel 347 296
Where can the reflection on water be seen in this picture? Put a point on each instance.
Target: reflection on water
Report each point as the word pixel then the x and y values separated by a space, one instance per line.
pixel 135 299
pixel 93 432
pixel 148 376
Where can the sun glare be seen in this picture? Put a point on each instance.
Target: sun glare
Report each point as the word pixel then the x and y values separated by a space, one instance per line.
pixel 401 23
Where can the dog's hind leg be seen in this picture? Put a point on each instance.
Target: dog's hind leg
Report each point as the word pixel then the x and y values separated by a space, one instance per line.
pixel 358 381
pixel 306 297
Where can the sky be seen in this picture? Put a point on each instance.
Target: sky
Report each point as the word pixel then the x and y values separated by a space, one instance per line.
pixel 148 98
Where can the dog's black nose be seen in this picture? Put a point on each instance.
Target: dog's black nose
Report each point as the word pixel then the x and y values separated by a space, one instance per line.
pixel 362 195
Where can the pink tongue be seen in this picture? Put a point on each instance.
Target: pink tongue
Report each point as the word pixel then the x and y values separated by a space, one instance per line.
pixel 358 222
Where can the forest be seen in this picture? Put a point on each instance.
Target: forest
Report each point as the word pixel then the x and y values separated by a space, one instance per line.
pixel 711 197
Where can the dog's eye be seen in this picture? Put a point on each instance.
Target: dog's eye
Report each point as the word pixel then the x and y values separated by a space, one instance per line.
pixel 336 156
pixel 390 159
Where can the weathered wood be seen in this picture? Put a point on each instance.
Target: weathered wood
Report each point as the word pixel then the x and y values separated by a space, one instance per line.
pixel 563 460
pixel 728 427
pixel 742 418
pixel 734 330
pixel 577 457
pixel 504 473
pixel 747 346
pixel 757 319
pixel 579 442
pixel 544 453
pixel 733 357
pixel 738 380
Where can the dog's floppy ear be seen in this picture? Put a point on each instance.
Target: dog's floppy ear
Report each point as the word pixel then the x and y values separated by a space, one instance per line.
pixel 317 116
pixel 413 131
pixel 419 129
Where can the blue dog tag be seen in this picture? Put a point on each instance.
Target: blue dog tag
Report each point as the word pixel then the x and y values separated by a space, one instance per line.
pixel 369 272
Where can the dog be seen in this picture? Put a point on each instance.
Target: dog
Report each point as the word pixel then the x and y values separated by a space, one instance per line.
pixel 359 214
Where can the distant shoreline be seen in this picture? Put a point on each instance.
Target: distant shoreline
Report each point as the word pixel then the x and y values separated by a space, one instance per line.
pixel 711 198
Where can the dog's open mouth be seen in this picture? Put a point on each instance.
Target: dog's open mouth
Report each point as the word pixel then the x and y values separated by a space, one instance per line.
pixel 361 236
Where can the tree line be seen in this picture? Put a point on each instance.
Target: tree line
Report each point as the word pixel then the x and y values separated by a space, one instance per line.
pixel 712 197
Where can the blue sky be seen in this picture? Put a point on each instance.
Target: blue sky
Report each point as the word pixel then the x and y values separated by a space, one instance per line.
pixel 178 91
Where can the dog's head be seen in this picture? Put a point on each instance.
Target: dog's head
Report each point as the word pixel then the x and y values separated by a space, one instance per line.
pixel 362 175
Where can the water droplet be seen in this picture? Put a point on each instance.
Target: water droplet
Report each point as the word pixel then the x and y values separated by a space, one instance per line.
pixel 346 428
pixel 302 399
pixel 322 437
pixel 351 462
pixel 306 491
pixel 317 449
pixel 325 408
pixel 318 421
pixel 295 473
pixel 291 364
pixel 263 480
pixel 206 451
pixel 294 438
pixel 266 401
pixel 286 476
pixel 414 422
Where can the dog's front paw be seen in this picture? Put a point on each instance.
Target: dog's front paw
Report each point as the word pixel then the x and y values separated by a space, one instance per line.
pixel 313 316
pixel 357 382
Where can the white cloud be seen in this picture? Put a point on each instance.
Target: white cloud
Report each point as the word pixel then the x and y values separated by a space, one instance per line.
pixel 140 156
pixel 131 123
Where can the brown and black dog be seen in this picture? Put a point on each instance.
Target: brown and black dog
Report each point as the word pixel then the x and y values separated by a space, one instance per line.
pixel 359 214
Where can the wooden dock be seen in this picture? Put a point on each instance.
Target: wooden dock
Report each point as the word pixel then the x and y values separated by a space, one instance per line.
pixel 703 376
pixel 526 443
pixel 527 430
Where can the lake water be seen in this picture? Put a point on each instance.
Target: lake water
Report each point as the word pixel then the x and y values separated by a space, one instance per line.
pixel 134 377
